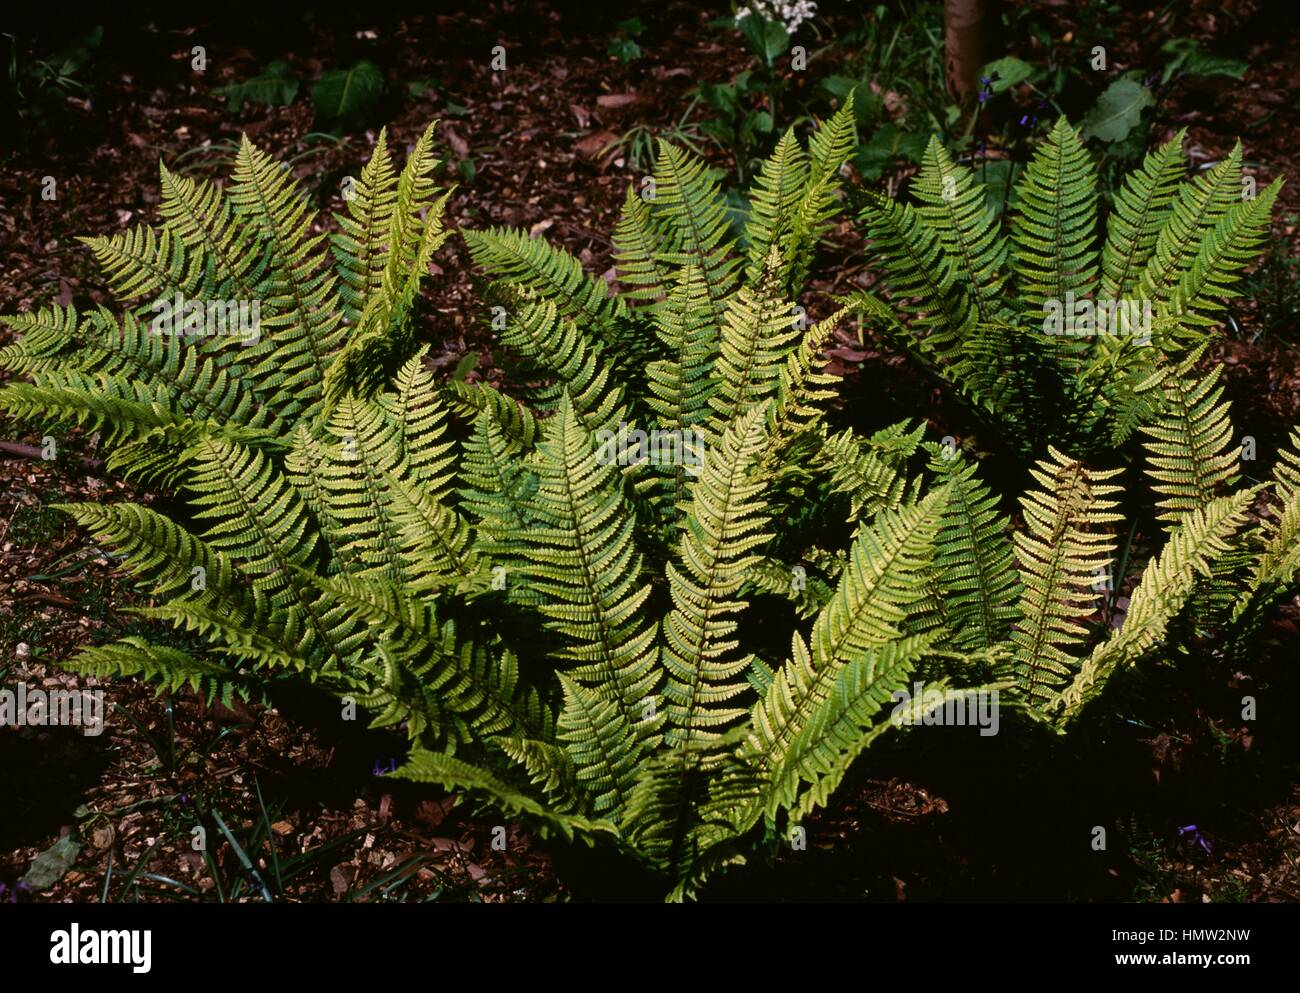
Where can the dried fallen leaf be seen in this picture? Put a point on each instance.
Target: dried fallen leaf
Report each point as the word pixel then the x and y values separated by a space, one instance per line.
pixel 590 146
pixel 433 812
pixel 341 879
pixel 458 144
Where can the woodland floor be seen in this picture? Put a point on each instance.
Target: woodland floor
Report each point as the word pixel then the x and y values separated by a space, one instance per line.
pixel 915 823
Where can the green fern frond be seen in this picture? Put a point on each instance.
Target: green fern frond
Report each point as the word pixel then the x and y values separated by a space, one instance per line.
pixel 474 688
pixel 272 643
pixel 253 515
pixel 723 526
pixel 305 468
pixel 582 558
pixel 516 421
pixel 1063 557
pixel 549 767
pixel 1277 559
pixel 808 594
pixel 917 270
pixel 173 366
pixel 637 238
pixel 1142 206
pixel 363 449
pixel 880 595
pixel 496 488
pixel 692 211
pixel 142 262
pixel 361 245
pixel 1287 471
pixel 1054 223
pixel 680 814
pixel 1200 536
pixel 680 386
pixel 1227 248
pixel 1190 457
pixel 757 333
pixel 803 382
pixel 163 555
pixel 973 559
pixel 1197 210
pixel 416 214
pixel 778 188
pixel 122 411
pixel 829 148
pixel 437 544
pixel 604 749
pixel 842 725
pixel 45 335
pixel 200 215
pixel 170 669
pixel 454 774
pixel 550 273
pixel 419 422
pixel 871 478
pixel 300 326
pixel 954 206
pixel 572 358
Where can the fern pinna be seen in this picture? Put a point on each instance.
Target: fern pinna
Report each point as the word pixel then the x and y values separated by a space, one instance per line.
pixel 1049 325
pixel 553 589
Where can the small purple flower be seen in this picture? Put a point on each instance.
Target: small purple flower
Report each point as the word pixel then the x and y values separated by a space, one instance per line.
pixel 1194 836
pixel 19 887
pixel 986 87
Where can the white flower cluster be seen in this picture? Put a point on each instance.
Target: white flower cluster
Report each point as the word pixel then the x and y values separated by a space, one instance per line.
pixel 789 14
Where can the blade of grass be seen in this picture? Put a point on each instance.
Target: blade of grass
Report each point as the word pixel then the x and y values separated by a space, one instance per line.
pixel 216 875
pixel 392 876
pixel 153 742
pixel 293 866
pixel 139 867
pixel 167 880
pixel 242 855
pixel 170 711
pixel 108 875
pixel 270 837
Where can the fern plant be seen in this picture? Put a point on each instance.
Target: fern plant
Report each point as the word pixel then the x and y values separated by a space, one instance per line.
pixel 648 600
pixel 983 306
pixel 1225 559
pixel 525 594
pixel 1047 326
